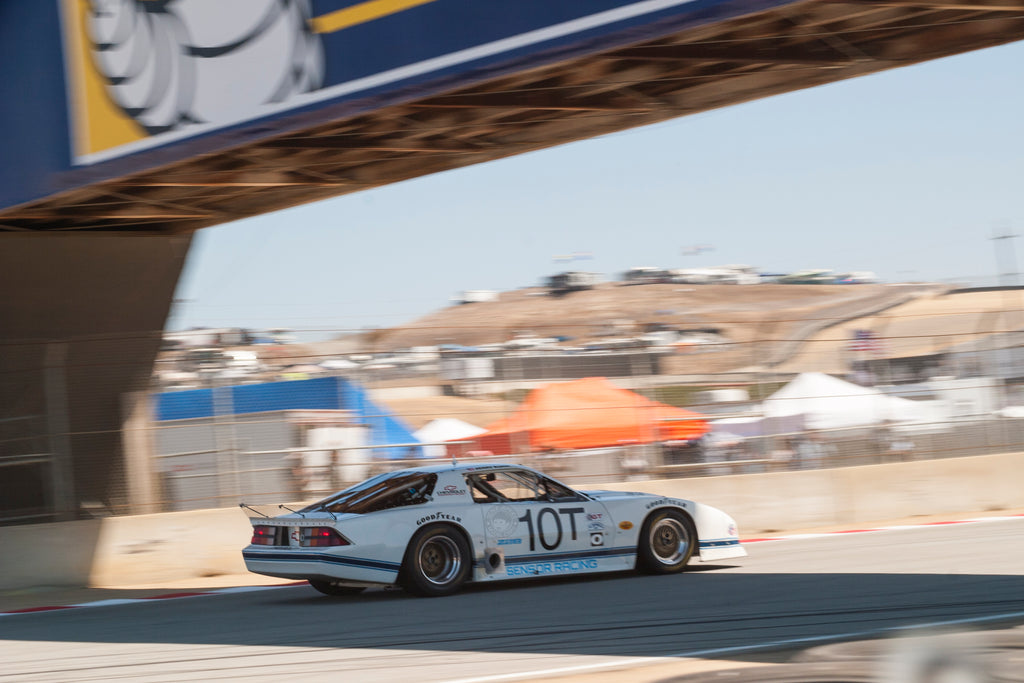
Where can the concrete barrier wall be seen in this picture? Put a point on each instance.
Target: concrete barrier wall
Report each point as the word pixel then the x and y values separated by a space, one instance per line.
pixel 60 554
pixel 125 551
pixel 782 501
pixel 165 547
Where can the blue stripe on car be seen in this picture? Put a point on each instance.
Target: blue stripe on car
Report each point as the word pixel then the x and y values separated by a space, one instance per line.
pixel 719 542
pixel 362 563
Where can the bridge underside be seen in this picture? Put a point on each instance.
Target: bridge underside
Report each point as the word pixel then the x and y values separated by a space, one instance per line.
pixel 797 46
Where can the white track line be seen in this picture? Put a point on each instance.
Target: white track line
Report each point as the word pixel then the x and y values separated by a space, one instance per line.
pixel 767 645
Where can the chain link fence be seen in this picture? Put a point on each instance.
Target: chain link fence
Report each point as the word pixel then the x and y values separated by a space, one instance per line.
pixel 336 417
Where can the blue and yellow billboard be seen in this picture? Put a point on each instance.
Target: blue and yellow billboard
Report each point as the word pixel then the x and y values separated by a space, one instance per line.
pixel 145 82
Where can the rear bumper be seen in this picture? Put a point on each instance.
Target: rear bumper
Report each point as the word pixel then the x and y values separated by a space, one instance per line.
pixel 288 563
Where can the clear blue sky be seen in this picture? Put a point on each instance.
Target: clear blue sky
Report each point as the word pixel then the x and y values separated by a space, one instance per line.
pixel 906 173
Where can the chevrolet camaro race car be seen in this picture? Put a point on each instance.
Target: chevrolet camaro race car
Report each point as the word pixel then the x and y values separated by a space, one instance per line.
pixel 432 529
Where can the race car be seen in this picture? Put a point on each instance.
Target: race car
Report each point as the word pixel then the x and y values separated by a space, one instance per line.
pixel 432 529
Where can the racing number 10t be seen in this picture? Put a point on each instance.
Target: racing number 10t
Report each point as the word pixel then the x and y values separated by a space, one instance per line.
pixel 538 533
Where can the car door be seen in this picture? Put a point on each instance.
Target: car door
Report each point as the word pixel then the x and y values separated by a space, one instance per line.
pixel 529 518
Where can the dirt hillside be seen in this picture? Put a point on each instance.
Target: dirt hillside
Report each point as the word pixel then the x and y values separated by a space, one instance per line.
pixel 926 325
pixel 741 314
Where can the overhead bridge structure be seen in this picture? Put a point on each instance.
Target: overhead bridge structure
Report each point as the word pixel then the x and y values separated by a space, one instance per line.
pixel 130 124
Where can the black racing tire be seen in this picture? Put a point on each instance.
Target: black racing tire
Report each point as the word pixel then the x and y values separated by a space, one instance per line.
pixel 437 562
pixel 666 543
pixel 332 588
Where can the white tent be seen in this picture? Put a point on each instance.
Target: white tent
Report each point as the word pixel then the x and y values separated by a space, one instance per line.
pixel 338 364
pixel 444 429
pixel 831 403
pixel 759 426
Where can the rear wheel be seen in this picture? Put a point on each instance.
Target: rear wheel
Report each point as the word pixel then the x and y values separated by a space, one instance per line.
pixel 332 588
pixel 667 542
pixel 437 562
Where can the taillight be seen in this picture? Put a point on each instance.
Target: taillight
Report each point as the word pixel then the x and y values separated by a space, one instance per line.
pixel 320 536
pixel 263 535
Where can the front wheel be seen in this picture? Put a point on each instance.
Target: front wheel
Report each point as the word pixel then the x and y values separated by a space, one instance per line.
pixel 437 562
pixel 666 543
pixel 332 588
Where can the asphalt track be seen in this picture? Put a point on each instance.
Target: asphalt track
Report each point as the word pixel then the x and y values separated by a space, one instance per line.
pixel 787 591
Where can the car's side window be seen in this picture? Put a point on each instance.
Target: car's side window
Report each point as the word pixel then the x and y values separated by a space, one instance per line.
pixel 480 486
pixel 518 486
pixel 558 493
pixel 492 487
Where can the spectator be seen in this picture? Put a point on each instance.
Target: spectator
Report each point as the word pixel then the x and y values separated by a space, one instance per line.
pixel 297 477
pixel 901 449
pixel 552 462
pixel 335 475
pixel 634 463
pixel 813 452
pixel 783 454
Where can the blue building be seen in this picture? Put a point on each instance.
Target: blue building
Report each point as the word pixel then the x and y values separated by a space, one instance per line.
pixel 323 393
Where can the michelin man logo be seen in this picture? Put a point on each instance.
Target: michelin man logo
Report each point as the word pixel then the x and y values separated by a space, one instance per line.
pixel 171 63
pixel 501 521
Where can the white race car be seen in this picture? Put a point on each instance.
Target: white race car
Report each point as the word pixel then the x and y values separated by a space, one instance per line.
pixel 432 529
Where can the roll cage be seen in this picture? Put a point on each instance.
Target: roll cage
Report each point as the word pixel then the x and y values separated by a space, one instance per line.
pixel 512 485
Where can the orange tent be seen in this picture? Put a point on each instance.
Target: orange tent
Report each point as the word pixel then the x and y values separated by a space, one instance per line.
pixel 586 413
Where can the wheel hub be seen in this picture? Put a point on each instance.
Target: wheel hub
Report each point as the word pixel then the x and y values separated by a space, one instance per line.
pixel 669 540
pixel 440 560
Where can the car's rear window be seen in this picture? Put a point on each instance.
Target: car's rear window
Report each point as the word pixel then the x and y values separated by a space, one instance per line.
pixel 391 490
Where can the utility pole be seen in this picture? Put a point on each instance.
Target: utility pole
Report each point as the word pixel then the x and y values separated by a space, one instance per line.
pixel 1007 278
pixel 1006 257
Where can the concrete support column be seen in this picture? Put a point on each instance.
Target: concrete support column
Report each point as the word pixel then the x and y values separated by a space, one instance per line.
pixel 140 470
pixel 81 319
pixel 62 484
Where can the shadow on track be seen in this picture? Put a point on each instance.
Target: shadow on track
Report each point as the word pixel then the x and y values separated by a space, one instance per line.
pixel 615 614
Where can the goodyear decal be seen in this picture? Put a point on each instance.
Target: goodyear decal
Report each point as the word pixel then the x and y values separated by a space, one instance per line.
pixel 438 517
pixel 661 502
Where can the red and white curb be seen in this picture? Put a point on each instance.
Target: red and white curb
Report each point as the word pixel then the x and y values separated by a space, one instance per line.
pixel 870 530
pixel 251 589
pixel 151 598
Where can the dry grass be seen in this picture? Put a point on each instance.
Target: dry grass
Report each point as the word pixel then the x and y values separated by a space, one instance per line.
pixel 616 309
pixel 742 314
pixel 924 326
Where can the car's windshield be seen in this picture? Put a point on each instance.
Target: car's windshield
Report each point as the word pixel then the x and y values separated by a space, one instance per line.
pixel 393 489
